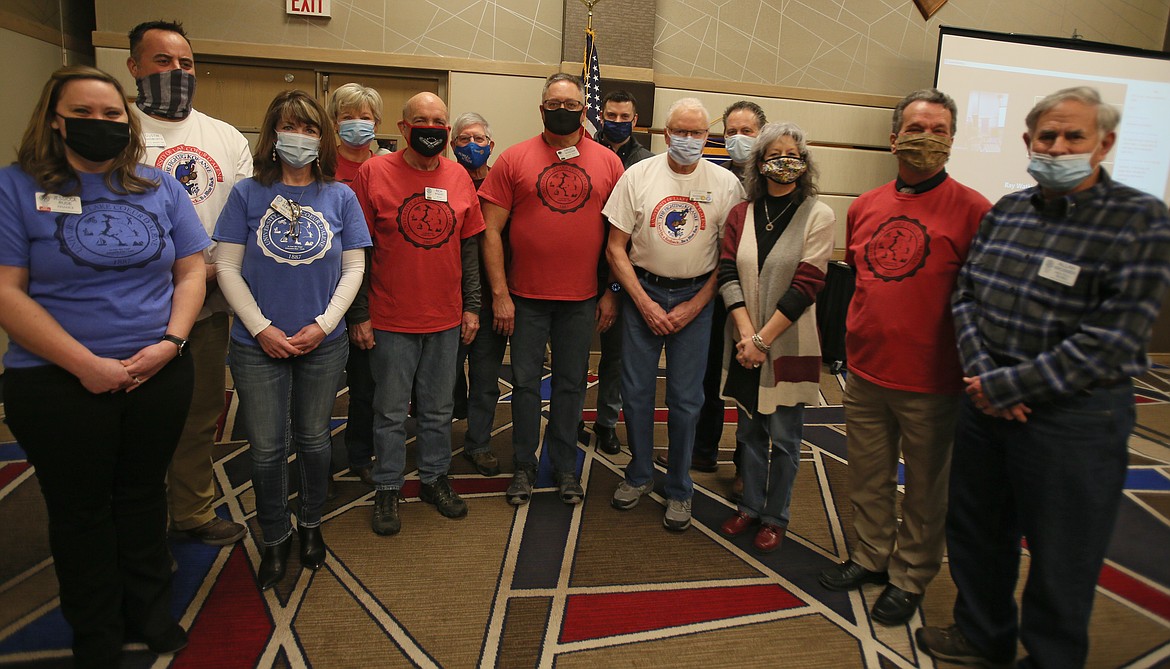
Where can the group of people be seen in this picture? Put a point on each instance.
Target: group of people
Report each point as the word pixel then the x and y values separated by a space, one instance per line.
pixel 1011 331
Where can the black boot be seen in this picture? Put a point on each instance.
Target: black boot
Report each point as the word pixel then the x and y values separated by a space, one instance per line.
pixel 312 547
pixel 273 561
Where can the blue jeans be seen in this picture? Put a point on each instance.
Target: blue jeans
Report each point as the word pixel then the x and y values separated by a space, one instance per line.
pixel 425 362
pixel 609 375
pixel 359 427
pixel 767 488
pixel 568 327
pixel 686 360
pixel 484 357
pixel 286 405
pixel 1057 480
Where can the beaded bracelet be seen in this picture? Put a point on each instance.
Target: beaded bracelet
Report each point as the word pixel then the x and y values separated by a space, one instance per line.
pixel 759 343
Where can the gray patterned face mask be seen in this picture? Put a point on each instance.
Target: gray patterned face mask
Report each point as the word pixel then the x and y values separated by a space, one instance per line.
pixel 166 94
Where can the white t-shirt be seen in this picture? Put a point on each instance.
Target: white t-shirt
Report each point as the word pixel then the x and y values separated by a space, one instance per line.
pixel 208 157
pixel 674 220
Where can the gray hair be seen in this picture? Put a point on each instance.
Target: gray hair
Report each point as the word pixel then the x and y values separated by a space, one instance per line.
pixel 468 119
pixel 352 97
pixel 687 104
pixel 931 95
pixel 756 184
pixel 1107 116
pixel 562 76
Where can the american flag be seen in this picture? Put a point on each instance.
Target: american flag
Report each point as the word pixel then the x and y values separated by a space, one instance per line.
pixel 591 75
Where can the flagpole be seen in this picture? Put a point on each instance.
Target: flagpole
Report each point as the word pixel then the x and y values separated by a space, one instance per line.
pixel 589 6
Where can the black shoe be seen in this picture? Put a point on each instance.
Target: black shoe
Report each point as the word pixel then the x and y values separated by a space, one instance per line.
pixel 582 435
pixel 446 500
pixel 607 439
pixel 385 520
pixel 895 606
pixel 698 464
pixel 949 645
pixel 365 474
pixel 173 640
pixel 312 547
pixel 273 561
pixel 850 576
pixel 485 462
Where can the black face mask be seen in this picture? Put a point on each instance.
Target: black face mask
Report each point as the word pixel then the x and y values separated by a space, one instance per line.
pixel 562 121
pixel 428 140
pixel 95 139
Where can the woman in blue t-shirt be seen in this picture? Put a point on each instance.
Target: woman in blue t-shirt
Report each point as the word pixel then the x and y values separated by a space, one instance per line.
pixel 101 277
pixel 290 260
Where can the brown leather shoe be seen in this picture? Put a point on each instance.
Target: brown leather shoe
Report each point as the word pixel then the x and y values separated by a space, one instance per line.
pixel 218 532
pixel 737 524
pixel 768 538
pixel 697 464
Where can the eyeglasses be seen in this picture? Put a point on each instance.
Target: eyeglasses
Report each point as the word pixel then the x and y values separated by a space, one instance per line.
pixel 690 134
pixel 571 105
pixel 464 140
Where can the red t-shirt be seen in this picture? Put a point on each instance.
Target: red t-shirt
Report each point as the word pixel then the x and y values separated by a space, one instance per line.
pixel 907 249
pixel 346 169
pixel 556 232
pixel 417 221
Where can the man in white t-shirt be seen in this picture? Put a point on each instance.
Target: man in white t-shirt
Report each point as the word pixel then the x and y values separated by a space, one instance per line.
pixel 208 157
pixel 670 210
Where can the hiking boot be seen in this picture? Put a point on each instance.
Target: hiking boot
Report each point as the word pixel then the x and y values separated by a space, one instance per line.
pixel 626 496
pixel 386 520
pixel 446 500
pixel 569 488
pixel 218 532
pixel 678 515
pixel 520 491
pixel 949 645
pixel 485 462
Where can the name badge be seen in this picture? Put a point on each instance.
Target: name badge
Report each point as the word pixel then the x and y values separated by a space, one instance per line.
pixel 435 194
pixel 1064 273
pixel 568 152
pixel 59 204
pixel 153 140
pixel 701 196
pixel 282 206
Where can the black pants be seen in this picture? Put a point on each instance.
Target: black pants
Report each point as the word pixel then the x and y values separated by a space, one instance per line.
pixel 712 418
pixel 101 461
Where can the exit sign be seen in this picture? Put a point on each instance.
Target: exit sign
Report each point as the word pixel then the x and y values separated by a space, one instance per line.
pixel 307 7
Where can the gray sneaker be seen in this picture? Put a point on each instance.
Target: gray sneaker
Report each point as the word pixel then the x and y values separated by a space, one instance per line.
pixel 678 515
pixel 520 491
pixel 626 496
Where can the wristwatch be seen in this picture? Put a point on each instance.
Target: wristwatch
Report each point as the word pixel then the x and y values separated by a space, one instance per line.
pixel 615 287
pixel 177 341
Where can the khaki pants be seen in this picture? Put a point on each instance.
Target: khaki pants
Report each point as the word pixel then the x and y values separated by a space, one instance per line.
pixel 190 478
pixel 880 424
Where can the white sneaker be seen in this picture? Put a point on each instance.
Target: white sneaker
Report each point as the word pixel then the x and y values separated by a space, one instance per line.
pixel 678 515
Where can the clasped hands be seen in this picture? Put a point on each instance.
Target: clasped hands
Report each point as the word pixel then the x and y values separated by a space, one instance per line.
pixel 1018 412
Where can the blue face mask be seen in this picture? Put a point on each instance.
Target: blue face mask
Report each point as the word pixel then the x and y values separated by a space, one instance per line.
pixel 472 155
pixel 295 149
pixel 739 147
pixel 1060 173
pixel 617 131
pixel 686 150
pixel 356 132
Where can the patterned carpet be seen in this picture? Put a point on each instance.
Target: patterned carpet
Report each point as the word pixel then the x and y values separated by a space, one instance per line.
pixel 548 584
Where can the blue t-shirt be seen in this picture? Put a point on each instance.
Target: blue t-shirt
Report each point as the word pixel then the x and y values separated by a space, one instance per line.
pixel 292 271
pixel 103 274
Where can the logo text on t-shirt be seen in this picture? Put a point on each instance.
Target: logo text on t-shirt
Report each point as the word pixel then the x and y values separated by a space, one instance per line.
pixel 564 187
pixel 426 223
pixel 298 242
pixel 677 220
pixel 192 167
pixel 110 235
pixel 898 249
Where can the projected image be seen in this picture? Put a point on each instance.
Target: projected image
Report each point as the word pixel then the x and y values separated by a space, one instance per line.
pixel 982 124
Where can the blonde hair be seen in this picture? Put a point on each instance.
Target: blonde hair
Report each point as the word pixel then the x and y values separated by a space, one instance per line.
pixel 42 149
pixel 352 97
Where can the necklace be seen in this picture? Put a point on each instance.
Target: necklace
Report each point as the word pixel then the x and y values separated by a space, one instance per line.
pixel 772 219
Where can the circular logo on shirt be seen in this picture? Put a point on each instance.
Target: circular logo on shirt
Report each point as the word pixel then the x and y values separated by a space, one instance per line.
pixel 677 220
pixel 193 168
pixel 427 224
pixel 110 235
pixel 299 243
pixel 898 249
pixel 563 187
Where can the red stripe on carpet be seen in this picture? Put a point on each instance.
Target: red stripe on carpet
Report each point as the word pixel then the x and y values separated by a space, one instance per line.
pixel 9 472
pixel 596 616
pixel 472 486
pixel 233 626
pixel 1119 583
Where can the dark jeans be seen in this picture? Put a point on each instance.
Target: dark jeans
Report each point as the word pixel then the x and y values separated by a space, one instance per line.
pixel 485 354
pixel 101 461
pixel 709 431
pixel 359 428
pixel 1055 480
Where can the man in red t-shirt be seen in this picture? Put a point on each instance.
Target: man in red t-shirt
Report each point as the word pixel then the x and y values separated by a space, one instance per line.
pixel 423 215
pixel 553 186
pixel 907 240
